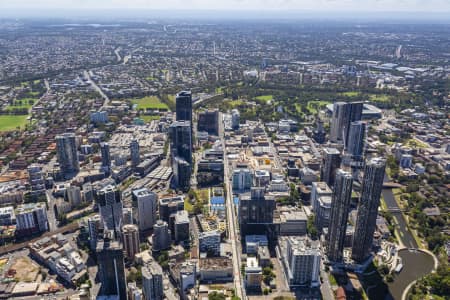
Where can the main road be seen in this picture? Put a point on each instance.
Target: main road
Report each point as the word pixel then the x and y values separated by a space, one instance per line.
pixel 233 235
pixel 87 75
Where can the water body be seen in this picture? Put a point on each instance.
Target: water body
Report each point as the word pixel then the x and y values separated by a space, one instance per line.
pixel 405 235
pixel 416 264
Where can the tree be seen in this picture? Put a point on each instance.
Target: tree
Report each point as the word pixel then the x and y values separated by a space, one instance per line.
pixel 311 227
pixel 216 296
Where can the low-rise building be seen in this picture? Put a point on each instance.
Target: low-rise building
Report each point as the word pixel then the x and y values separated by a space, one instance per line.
pixel 218 269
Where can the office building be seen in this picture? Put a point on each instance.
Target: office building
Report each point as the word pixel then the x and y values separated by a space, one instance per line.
pixel 188 276
pixel 111 270
pixel 353 113
pixel 181 174
pixel 209 121
pixel 340 206
pixel 319 189
pixel 130 237
pixel 31 218
pixel 73 195
pixel 66 152
pixel 371 188
pixel 301 261
pixel 181 226
pixel 134 153
pixel 256 212
pixel 235 119
pixel 99 116
pixel 152 281
pixel 343 115
pixel 337 117
pixel 147 203
pixel 36 179
pixel 181 140
pixel 323 212
pixel 127 216
pixel 406 161
pixel 95 228
pixel 216 269
pixel 356 139
pixel 170 205
pixel 292 221
pixel 331 161
pixel 242 179
pixel 184 107
pixel 319 132
pixel 253 274
pixel 7 216
pixel 106 156
pixel 109 200
pixel 209 242
pixel 180 135
pixel 161 236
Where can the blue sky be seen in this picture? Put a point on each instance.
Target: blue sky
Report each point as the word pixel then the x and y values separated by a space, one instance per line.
pixel 315 5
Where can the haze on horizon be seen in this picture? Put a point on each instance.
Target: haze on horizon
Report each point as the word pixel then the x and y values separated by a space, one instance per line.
pixel 421 9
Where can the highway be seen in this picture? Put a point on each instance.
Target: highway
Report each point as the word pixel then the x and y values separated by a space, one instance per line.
pixel 233 235
pixel 87 75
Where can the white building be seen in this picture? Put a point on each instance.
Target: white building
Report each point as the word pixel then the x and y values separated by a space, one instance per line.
pixel 319 189
pixel 147 206
pixel 301 260
pixel 31 217
pixel 7 216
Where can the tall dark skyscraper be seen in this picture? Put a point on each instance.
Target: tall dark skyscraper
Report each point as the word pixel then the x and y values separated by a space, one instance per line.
pixel 371 188
pixel 209 121
pixel 184 106
pixel 331 161
pixel 353 113
pixel 356 139
pixel 181 140
pixel 106 155
pixel 66 151
pixel 181 153
pixel 111 270
pixel 340 206
pixel 343 115
pixel 256 211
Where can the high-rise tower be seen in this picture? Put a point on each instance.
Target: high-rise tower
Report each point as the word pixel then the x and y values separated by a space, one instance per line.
pixel 66 149
pixel 184 106
pixel 371 188
pixel 331 161
pixel 340 206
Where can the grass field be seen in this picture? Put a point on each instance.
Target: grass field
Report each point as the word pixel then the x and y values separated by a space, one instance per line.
pixel 415 144
pixel 313 106
pixel 264 98
pixel 149 102
pixel 11 122
pixel 379 98
pixel 235 103
pixel 350 94
pixel 148 118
